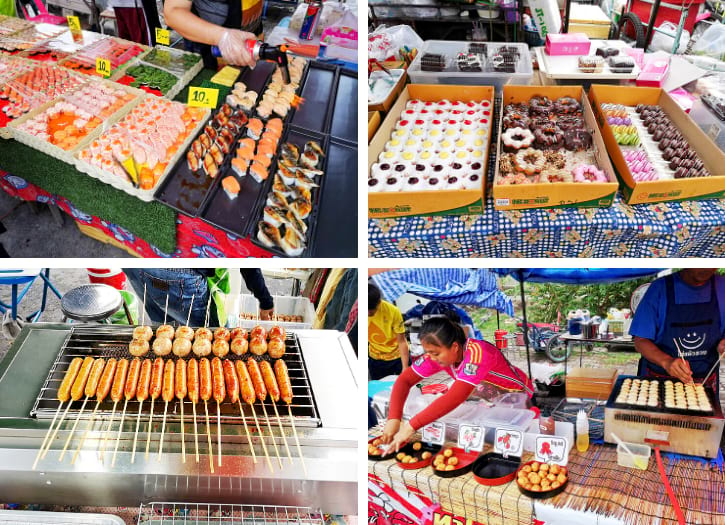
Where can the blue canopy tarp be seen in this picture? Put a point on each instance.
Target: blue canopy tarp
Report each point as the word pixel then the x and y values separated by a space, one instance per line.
pixel 459 286
pixel 577 275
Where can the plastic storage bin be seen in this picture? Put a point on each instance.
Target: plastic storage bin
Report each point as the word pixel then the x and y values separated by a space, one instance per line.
pixel 283 305
pixel 640 459
pixel 488 76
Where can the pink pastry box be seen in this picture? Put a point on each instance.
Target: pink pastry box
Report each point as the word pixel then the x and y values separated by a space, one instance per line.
pixel 567 44
pixel 540 194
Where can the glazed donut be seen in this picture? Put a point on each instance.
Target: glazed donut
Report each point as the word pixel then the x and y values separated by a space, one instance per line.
pixel 549 136
pixel 588 173
pixel 577 140
pixel 515 139
pixel 540 106
pixel 515 119
pixel 556 175
pixel 566 105
pixel 530 161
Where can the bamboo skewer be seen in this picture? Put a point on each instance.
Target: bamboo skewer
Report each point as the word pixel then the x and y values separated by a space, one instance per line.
pixel 118 434
pixel 208 435
pixel 101 391
pixel 47 435
pixel 281 431
pixel 246 429
pixel 135 435
pixel 55 432
pixel 148 430
pixel 167 394
pixel 163 429
pixel 155 389
pixel 261 438
pixel 297 439
pixel 219 432
pixel 196 433
pixel 274 441
pixel 142 393
pixel 72 431
pixel 85 434
pixel 102 450
pixel 181 389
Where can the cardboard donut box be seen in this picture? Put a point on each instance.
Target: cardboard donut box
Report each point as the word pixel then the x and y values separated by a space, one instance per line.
pixel 661 190
pixel 443 202
pixel 559 194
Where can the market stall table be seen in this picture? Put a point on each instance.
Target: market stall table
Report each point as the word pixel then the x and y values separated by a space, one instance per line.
pixel 598 489
pixel 671 229
pixel 608 339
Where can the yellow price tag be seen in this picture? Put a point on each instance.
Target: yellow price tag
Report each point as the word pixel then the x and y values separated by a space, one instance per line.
pixel 74 24
pixel 103 67
pixel 203 97
pixel 163 36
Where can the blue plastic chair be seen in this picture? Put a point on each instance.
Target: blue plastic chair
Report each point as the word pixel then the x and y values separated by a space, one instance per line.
pixel 18 277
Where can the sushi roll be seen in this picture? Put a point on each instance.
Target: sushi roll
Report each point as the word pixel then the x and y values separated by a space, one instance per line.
pixel 393 183
pixel 231 187
pixel 255 128
pixel 414 183
pixel 192 160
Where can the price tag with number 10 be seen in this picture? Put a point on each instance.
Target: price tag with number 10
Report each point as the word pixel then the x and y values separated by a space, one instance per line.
pixel 203 97
pixel 103 66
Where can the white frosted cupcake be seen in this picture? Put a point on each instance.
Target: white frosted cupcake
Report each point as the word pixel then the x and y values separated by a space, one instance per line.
pixel 428 145
pixel 472 114
pixel 453 182
pixel 426 115
pixel 444 157
pixel 447 146
pixel 426 157
pixel 399 134
pixel 408 156
pixel 476 156
pixel 418 125
pixel 393 183
pixel 481 133
pixel 394 145
pixel 411 144
pixel 422 170
pixel 389 157
pixel 437 124
pixel 434 183
pixel 414 104
pixel 444 104
pixel 375 185
pixel 484 122
pixel 414 183
pixel 485 104
pixel 380 169
pixel 435 135
pixel 468 124
pixel 456 115
pixel 409 114
pixel 402 169
pixel 462 156
pixel 440 171
pixel 462 144
pixel 457 105
pixel 404 124
pixel 472 105
pixel 452 133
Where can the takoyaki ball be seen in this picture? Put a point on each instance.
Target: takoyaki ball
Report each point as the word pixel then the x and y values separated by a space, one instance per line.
pixel 239 346
pixel 223 334
pixel 162 346
pixel 204 333
pixel 238 333
pixel 185 332
pixel 258 346
pixel 181 347
pixel 259 331
pixel 276 348
pixel 139 347
pixel 220 348
pixel 165 330
pixel 201 347
pixel 277 331
pixel 143 332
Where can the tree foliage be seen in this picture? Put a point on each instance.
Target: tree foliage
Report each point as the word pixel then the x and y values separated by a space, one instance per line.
pixel 544 300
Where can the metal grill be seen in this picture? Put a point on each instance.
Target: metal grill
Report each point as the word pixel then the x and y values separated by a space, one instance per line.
pixel 661 408
pixel 113 340
pixel 662 421
pixel 157 513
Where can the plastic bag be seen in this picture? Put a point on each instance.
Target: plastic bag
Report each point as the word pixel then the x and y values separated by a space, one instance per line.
pixel 342 32
pixel 385 42
pixel 712 42
pixel 546 16
pixel 662 42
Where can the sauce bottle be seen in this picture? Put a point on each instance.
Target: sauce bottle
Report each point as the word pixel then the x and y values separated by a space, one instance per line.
pixel 582 431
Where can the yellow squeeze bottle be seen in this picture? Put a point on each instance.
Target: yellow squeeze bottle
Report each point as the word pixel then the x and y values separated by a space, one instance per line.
pixel 582 431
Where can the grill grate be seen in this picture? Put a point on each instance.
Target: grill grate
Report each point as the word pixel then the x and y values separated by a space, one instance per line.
pixel 660 408
pixel 662 421
pixel 112 341
pixel 157 513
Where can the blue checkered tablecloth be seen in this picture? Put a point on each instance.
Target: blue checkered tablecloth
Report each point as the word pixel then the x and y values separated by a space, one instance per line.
pixel 673 229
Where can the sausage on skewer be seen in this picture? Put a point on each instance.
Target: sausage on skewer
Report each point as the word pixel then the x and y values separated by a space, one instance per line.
pixel 180 388
pixel 246 389
pixel 77 391
pixel 205 392
pixel 117 392
pixel 271 383
pixel 167 394
pixel 232 384
pixel 219 391
pixel 129 392
pixel 157 382
pixel 192 376
pixel 89 390
pixel 261 392
pixel 142 393
pixel 285 390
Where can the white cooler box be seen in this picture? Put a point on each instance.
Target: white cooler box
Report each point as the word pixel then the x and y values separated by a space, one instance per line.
pixel 283 305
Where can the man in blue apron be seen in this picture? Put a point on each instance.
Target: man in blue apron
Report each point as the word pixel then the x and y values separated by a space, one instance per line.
pixel 681 310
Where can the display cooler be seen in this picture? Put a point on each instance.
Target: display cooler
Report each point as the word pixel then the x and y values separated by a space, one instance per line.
pixel 321 367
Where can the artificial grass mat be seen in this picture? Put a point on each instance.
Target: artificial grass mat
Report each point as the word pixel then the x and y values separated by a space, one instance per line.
pixel 151 221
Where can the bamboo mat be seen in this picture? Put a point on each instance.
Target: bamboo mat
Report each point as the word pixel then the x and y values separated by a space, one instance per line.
pixel 462 495
pixel 596 484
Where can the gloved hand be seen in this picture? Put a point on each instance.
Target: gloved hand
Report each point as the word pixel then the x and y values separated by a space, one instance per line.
pixel 233 49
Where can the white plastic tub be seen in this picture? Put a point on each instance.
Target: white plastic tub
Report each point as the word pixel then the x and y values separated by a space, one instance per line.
pixel 283 305
pixel 641 456
pixel 452 75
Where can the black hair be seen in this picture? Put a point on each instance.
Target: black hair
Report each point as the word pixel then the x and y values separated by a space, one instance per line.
pixel 374 297
pixel 443 330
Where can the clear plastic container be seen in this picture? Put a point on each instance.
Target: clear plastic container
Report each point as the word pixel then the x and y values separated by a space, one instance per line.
pixel 283 305
pixel 640 459
pixel 513 66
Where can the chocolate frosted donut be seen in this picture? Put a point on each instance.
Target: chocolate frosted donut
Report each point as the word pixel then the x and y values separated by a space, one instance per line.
pixel 566 105
pixel 549 136
pixel 540 106
pixel 516 119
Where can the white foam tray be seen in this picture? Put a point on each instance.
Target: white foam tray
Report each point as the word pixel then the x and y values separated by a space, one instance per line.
pixel 566 67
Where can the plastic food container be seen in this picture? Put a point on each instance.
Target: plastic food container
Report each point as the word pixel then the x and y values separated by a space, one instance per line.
pixel 641 456
pixel 513 66
pixel 493 469
pixel 410 449
pixel 464 466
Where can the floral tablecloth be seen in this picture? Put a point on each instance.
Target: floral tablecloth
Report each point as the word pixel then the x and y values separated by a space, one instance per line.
pixel 672 229
pixel 195 238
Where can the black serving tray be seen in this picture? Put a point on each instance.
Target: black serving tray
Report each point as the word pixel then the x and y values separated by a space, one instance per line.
pixel 660 408
pixel 343 123
pixel 318 91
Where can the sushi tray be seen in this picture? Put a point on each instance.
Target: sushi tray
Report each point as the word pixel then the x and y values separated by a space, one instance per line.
pixel 29 37
pixel 329 226
pixel 64 125
pixel 10 25
pixel 188 191
pixel 33 87
pixel 163 71
pixel 138 148
pixel 118 51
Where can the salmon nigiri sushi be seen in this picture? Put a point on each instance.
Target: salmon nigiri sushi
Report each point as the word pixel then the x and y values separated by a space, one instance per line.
pixel 258 172
pixel 240 166
pixel 231 187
